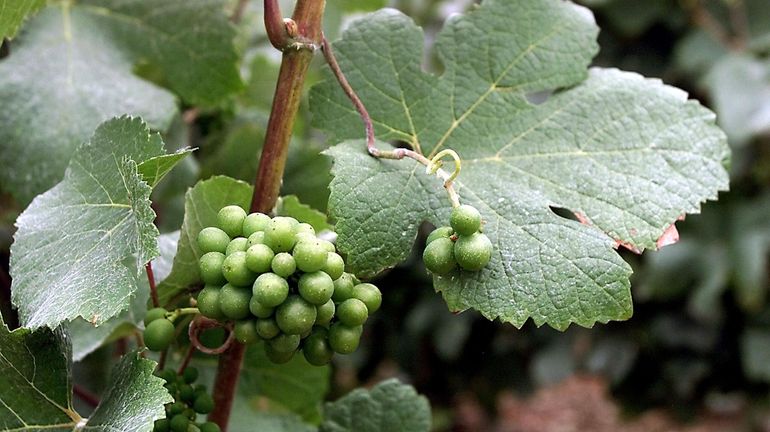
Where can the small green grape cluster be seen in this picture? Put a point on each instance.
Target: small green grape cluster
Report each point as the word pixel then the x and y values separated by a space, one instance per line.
pixel 189 401
pixel 461 244
pixel 280 283
pixel 158 329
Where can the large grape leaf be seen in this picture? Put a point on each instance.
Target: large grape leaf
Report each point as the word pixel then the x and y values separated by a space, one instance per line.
pixel 626 154
pixel 72 68
pixel 13 13
pixel 388 406
pixel 80 246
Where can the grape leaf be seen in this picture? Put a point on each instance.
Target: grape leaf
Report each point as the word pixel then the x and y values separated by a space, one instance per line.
pixel 77 246
pixel 72 69
pixel 154 169
pixel 35 388
pixel 388 406
pixel 626 154
pixel 13 13
pixel 291 206
pixel 202 203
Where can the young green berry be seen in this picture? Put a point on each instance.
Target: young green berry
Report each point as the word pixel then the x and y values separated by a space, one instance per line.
pixel 234 302
pixel 352 312
pixel 440 232
pixel 255 222
pixel 279 357
pixel 190 374
pixel 334 266
pixel 316 348
pixel 306 228
pixel 270 290
pixel 238 244
pixel 310 256
pixel 343 288
pixel 175 408
pixel 325 313
pixel 295 316
pixel 283 265
pixel 179 423
pixel 344 339
pixel 258 309
pixel 465 220
pixel 161 425
pixel 246 332
pixel 256 238
pixel 267 328
pixel 208 302
pixel 168 375
pixel 211 268
pixel 230 220
pixel 213 239
pixel 439 256
pixel 235 270
pixel 210 427
pixel 473 252
pixel 159 334
pixel 186 393
pixel 284 343
pixel 316 287
pixel 203 403
pixel 259 258
pixel 305 236
pixel 370 295
pixel 191 414
pixel 279 234
pixel 154 314
pixel 329 246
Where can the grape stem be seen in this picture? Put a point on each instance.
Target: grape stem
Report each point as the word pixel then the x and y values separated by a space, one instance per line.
pixel 153 287
pixel 432 166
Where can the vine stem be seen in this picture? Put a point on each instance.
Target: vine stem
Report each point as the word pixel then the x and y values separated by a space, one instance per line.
pixel 151 280
pixel 432 166
pixel 297 54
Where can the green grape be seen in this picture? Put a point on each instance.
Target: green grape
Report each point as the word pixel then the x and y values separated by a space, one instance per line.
pixel 210 427
pixel 154 314
pixel 279 357
pixel 352 312
pixel 329 246
pixel 211 268
pixel 255 222
pixel 208 302
pixel 295 316
pixel 235 270
pixel 161 425
pixel 439 256
pixel 441 232
pixel 179 423
pixel 258 309
pixel 259 258
pixel 175 408
pixel 284 343
pixel 283 265
pixel 190 374
pixel 343 288
pixel 465 220
pixel 213 239
pixel 200 388
pixel 234 302
pixel 316 287
pixel 256 238
pixel 335 265
pixel 344 339
pixel 279 234
pixel 159 334
pixel 325 313
pixel 316 348
pixel 270 290
pixel 310 256
pixel 370 295
pixel 267 328
pixel 473 252
pixel 186 393
pixel 246 332
pixel 168 375
pixel 203 404
pixel 230 220
pixel 238 244
pixel 190 414
pixel 305 228
pixel 305 236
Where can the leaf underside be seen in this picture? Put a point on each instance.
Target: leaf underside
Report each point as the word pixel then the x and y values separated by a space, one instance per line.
pixel 536 130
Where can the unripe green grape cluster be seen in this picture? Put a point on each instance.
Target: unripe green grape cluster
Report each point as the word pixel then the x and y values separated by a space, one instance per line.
pixel 189 401
pixel 460 244
pixel 279 283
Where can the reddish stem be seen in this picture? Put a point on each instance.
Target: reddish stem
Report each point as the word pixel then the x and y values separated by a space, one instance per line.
pixel 151 280
pixel 275 26
pixel 85 395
